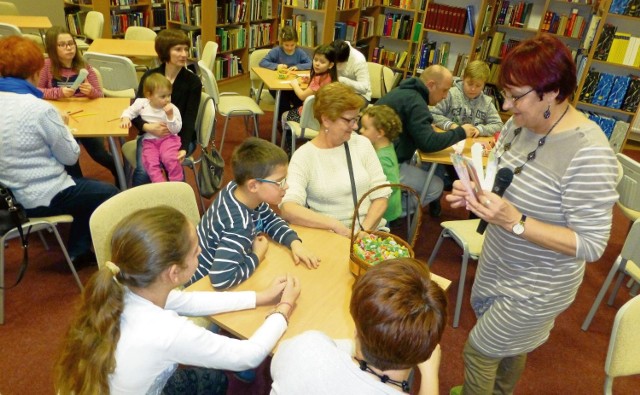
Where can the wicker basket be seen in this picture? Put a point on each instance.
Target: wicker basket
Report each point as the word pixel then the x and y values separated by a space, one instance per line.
pixel 357 266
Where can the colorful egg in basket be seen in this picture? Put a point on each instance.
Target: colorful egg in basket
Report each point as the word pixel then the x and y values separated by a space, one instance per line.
pixel 377 247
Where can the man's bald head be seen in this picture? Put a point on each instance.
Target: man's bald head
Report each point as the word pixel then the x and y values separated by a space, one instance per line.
pixel 438 79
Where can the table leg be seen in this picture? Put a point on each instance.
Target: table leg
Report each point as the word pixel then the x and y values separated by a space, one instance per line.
pixel 117 161
pixel 274 126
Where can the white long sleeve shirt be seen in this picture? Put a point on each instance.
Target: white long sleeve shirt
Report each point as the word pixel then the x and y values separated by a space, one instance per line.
pixel 355 73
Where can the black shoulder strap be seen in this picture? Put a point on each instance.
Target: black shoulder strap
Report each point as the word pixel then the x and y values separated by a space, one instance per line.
pixel 353 182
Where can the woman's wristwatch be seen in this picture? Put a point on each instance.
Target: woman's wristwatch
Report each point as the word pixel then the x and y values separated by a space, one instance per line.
pixel 518 228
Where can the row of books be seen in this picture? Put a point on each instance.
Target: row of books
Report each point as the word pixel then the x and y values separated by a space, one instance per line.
pixel 196 44
pixel 398 26
pixel 446 18
pixel 607 124
pixel 620 92
pixel 345 31
pixel 231 11
pixel 227 65
pixel 405 4
pixel 514 14
pixel 178 12
pixel 116 3
pixel 120 22
pixel 309 4
pixel 389 58
pixel 495 46
pixel 366 27
pixel 259 35
pixel 159 17
pixel 230 39
pixel 307 30
pixel 261 10
pixel 431 53
pixel 75 22
pixel 617 47
pixel 572 25
pixel 625 7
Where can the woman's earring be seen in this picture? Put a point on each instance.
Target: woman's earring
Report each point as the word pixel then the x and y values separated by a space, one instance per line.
pixel 547 113
pixel 326 130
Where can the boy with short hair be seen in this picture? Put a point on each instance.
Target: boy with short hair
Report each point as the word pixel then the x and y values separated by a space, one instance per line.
pixel 230 232
pixel 467 104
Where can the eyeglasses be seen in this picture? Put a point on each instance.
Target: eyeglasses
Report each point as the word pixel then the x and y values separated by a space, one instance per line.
pixel 280 184
pixel 69 44
pixel 351 121
pixel 514 99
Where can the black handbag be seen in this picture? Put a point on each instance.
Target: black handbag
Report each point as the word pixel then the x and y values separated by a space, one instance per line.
pixel 12 215
pixel 210 172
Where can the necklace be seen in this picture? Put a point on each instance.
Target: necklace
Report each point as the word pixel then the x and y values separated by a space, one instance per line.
pixel 404 384
pixel 531 155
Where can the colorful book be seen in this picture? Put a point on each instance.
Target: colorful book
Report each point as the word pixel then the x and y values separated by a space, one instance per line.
pixel 589 86
pixel 604 44
pixel 603 89
pixel 471 20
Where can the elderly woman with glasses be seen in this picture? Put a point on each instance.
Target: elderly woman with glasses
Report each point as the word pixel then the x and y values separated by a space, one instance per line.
pixel 554 216
pixel 320 187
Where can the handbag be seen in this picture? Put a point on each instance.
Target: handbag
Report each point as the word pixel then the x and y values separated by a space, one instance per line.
pixel 210 172
pixel 13 215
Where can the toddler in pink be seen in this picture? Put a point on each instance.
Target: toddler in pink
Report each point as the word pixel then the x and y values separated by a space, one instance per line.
pixel 158 151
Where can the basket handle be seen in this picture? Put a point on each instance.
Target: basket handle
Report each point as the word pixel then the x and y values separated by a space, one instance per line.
pixel 418 210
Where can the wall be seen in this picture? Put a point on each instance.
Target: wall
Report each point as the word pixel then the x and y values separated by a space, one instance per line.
pixel 52 8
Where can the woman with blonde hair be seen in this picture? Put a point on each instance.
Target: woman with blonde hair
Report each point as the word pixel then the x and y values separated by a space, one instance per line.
pixel 320 193
pixel 128 336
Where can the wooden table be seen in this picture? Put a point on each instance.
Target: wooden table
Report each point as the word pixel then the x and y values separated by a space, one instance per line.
pixel 99 118
pixel 271 80
pixel 28 22
pixel 324 301
pixel 128 48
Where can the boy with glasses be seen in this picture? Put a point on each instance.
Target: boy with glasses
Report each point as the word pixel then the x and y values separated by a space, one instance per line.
pixel 232 231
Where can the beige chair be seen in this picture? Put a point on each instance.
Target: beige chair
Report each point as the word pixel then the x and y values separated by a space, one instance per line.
pixel 178 195
pixel 208 56
pixel 36 225
pixel 7 29
pixel 229 105
pixel 629 187
pixel 627 263
pixel 118 74
pixel 624 345
pixel 205 125
pixel 144 34
pixel 92 29
pixel 382 78
pixel 307 128
pixel 257 84
pixel 463 232
pixel 7 8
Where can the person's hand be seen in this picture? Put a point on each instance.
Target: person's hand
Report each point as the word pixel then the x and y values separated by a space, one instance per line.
pixel 290 293
pixel 293 68
pixel 273 293
pixel 458 195
pixel 340 229
pixel 295 83
pixel 495 210
pixel 470 130
pixel 282 66
pixel 85 88
pixel 125 123
pixel 260 246
pixel 181 155
pixel 301 254
pixel 67 92
pixel 158 129
pixel 168 109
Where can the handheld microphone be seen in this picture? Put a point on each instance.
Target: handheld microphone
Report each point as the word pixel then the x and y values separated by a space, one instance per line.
pixel 502 182
pixel 82 75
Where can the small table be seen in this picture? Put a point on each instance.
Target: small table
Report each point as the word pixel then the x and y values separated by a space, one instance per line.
pixel 128 48
pixel 326 292
pixel 271 80
pixel 99 118
pixel 28 22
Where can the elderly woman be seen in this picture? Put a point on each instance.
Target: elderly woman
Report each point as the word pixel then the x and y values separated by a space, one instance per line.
pixel 172 46
pixel 320 192
pixel 36 146
pixel 554 217
pixel 399 314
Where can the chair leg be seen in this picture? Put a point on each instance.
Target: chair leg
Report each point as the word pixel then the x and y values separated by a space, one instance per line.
pixel 618 283
pixel 635 289
pixel 66 256
pixel 224 133
pixel 600 296
pixel 195 175
pixel 43 240
pixel 293 142
pixel 444 234
pixel 463 276
pixel 255 125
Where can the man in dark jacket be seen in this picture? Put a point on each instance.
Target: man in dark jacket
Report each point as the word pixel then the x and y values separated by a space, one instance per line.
pixel 410 100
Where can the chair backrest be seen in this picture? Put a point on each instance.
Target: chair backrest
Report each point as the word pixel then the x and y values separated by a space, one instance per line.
pixel 118 72
pixel 618 135
pixel 7 8
pixel 254 61
pixel 629 186
pixel 209 82
pixel 631 248
pixel 104 219
pixel 93 25
pixel 207 119
pixel 139 33
pixel 208 56
pixel 7 29
pixel 382 78
pixel 624 345
pixel 307 120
